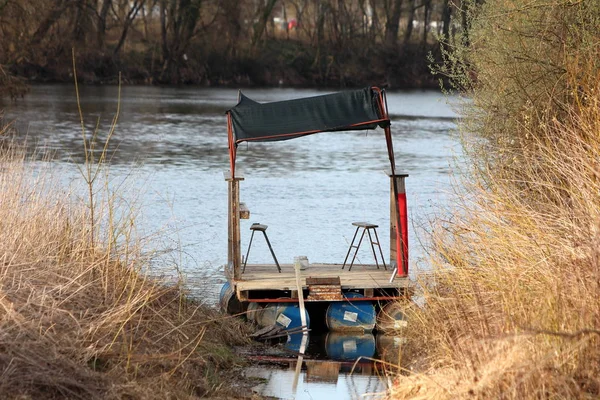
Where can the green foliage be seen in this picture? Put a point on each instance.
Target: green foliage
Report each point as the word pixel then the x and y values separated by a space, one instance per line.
pixel 517 69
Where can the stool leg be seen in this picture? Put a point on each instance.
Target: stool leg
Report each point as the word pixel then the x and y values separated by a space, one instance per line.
pixel 357 247
pixel 272 252
pixel 372 247
pixel 248 252
pixel 350 248
pixel 380 251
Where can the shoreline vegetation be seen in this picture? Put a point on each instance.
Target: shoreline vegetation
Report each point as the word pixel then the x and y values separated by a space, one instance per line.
pixel 511 310
pixel 81 316
pixel 292 43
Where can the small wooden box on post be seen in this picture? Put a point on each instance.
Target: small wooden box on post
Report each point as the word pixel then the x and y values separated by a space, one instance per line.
pixel 398 215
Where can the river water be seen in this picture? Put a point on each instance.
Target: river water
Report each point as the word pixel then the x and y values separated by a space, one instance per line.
pixel 169 151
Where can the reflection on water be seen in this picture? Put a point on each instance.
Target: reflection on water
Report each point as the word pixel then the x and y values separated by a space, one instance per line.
pixel 308 191
pixel 320 380
pixel 332 369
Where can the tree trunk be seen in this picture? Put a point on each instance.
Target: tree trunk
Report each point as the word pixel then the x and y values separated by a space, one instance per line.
pixel 77 34
pixel 58 7
pixel 426 20
pixel 320 35
pixel 392 24
pixel 446 17
pixel 410 24
pixel 374 20
pixel 178 25
pixel 135 8
pixel 101 34
pixel 231 10
pixel 163 30
pixel 259 27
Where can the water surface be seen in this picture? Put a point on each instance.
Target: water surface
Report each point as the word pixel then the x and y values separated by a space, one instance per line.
pixel 308 191
pixel 168 155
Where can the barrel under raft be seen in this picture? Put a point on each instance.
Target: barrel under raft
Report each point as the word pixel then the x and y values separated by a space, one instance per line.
pixel 228 301
pixel 349 346
pixel 285 315
pixel 392 318
pixel 351 316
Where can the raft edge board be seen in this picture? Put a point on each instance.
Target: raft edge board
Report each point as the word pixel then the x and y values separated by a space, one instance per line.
pixel 266 277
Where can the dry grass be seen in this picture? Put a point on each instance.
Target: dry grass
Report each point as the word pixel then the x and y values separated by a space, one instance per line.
pixel 80 318
pixel 513 311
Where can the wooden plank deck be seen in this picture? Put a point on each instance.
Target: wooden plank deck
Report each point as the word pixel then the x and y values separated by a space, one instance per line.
pixel 266 277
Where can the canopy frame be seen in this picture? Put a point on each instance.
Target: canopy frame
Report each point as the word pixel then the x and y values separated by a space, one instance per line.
pixel 382 120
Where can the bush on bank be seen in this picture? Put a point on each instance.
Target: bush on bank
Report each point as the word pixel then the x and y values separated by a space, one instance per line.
pixel 513 308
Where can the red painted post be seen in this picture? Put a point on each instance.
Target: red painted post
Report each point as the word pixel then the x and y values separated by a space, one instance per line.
pixel 398 215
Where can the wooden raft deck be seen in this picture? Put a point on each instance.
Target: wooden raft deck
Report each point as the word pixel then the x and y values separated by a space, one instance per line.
pixel 266 277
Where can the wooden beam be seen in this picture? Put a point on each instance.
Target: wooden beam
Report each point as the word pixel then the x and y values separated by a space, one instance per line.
pixel 239 176
pixel 234 256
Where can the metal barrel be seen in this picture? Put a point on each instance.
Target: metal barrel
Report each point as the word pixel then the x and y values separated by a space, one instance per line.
pixel 286 315
pixel 391 317
pixel 350 316
pixel 252 311
pixel 349 346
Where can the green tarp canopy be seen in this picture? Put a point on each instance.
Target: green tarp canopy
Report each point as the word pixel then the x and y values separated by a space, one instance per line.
pixel 281 120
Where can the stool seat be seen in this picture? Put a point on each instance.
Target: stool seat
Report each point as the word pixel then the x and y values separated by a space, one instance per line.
pixel 258 227
pixel 366 227
pixel 261 228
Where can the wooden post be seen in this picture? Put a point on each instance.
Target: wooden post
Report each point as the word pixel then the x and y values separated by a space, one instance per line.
pixel 398 203
pixel 300 293
pixel 304 341
pixel 234 257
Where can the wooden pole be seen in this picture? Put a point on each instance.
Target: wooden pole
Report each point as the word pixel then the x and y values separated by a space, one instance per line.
pixel 398 215
pixel 303 321
pixel 234 259
pixel 300 293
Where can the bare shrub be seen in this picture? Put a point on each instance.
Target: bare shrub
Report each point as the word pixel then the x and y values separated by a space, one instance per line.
pixel 513 312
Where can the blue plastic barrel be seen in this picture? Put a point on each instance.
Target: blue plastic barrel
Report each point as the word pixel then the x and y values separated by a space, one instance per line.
pixel 349 346
pixel 350 316
pixel 391 317
pixel 225 296
pixel 228 302
pixel 285 315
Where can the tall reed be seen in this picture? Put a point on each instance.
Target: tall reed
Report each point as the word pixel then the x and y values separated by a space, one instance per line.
pixel 80 317
pixel 513 309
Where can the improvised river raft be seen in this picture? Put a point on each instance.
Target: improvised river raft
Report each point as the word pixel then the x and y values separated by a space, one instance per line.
pixel 353 297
